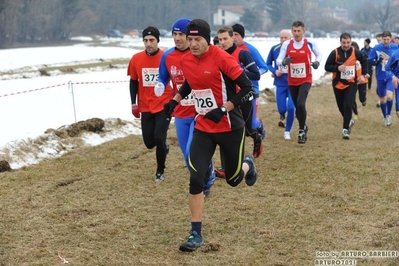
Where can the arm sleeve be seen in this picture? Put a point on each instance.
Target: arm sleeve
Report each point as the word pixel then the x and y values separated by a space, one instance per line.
pixel 246 92
pixel 164 76
pixel 316 52
pixel 133 85
pixel 185 89
pixel 331 65
pixel 282 54
pixel 373 57
pixel 250 67
pixel 362 57
pixel 269 62
pixel 257 57
pixel 392 66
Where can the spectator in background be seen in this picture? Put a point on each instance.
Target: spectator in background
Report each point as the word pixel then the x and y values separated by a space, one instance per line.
pixel 143 70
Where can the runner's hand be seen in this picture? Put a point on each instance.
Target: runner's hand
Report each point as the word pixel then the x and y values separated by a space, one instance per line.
pixel 135 111
pixel 170 107
pixel 287 60
pixel 215 115
pixel 395 82
pixel 159 89
pixel 315 64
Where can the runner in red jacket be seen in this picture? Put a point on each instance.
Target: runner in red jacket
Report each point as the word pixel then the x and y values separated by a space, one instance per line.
pixel 143 72
pixel 211 77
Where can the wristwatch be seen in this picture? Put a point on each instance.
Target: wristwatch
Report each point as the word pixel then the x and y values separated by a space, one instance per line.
pixel 224 110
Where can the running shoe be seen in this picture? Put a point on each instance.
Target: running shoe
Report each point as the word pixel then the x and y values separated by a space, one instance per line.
pixel 364 103
pixel 389 120
pixel 252 175
pixel 351 123
pixel 355 117
pixel 287 135
pixel 302 138
pixel 219 172
pixel 258 148
pixel 193 242
pixel 281 123
pixel 378 105
pixel 302 135
pixel 345 133
pixel 159 177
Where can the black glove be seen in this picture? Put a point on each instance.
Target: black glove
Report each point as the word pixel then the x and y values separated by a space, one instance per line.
pixel 287 60
pixel 170 107
pixel 216 114
pixel 315 64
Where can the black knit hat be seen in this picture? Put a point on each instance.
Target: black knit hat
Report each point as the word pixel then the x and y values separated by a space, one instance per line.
pixel 239 28
pixel 151 31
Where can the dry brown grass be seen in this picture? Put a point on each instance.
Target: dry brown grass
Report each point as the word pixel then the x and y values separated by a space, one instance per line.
pixel 100 205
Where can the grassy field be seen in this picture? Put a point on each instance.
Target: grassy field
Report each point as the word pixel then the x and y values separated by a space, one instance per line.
pixel 100 206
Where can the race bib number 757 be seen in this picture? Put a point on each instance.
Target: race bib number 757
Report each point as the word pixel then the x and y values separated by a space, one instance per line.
pixel 298 70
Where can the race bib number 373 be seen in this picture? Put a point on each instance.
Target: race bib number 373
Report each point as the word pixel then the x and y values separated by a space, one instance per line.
pixel 149 76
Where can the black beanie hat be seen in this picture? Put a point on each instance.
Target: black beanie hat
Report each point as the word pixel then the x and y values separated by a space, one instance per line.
pixel 199 31
pixel 151 31
pixel 239 28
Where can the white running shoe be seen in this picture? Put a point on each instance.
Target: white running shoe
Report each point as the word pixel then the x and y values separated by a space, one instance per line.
pixel 287 135
pixel 388 120
pixel 351 123
pixel 159 177
pixel 345 133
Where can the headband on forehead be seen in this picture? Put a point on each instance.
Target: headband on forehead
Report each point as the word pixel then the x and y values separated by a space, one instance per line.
pixel 200 31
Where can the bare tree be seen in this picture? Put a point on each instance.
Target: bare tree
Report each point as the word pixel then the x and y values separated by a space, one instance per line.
pixel 382 13
pixel 3 6
pixel 385 14
pixel 299 9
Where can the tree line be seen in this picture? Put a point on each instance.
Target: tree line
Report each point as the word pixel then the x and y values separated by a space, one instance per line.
pixel 26 22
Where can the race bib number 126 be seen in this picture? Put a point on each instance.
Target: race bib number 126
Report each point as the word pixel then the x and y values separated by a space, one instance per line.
pixel 204 101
